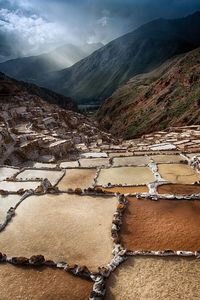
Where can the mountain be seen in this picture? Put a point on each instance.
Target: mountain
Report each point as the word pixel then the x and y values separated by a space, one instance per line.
pixel 167 96
pixel 96 77
pixel 8 86
pixel 31 68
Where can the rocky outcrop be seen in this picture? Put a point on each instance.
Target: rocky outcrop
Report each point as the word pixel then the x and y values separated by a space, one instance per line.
pixel 31 129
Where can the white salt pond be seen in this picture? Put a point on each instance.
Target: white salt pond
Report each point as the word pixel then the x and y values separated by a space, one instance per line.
pixel 7 172
pixel 7 202
pixel 52 176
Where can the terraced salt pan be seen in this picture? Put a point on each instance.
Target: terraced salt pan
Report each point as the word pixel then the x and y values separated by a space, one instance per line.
pixel 77 178
pixel 43 165
pixel 70 228
pixel 94 162
pixel 155 278
pixel 52 176
pixel 161 225
pixel 125 175
pixel 178 173
pixel 41 283
pixel 135 160
pixel 7 172
pixel 127 189
pixel 121 154
pixel 179 189
pixel 69 164
pixel 191 155
pixel 94 155
pixel 6 202
pixel 14 186
pixel 162 146
pixel 167 158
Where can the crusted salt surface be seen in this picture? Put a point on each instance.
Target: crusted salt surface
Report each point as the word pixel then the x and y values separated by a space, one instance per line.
pixel 14 186
pixel 134 160
pixel 69 164
pixel 154 278
pixel 77 178
pixel 41 283
pixel 6 172
pixel 70 229
pixel 43 165
pixel 125 175
pixel 52 176
pixel 6 202
pixel 178 173
pixel 160 225
pixel 167 158
pixel 162 146
pixel 94 155
pixel 63 228
pixel 94 162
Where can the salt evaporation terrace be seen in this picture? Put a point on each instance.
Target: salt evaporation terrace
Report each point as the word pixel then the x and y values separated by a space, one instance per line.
pixel 117 222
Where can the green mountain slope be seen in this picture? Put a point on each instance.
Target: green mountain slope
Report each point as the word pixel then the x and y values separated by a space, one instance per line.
pixel 167 96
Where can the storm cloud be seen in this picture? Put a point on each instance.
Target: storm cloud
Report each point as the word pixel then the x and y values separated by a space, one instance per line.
pixel 36 26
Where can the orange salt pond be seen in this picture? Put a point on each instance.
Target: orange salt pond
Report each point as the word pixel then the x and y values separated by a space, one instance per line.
pixel 161 225
pixel 179 189
pixel 41 283
pixel 127 189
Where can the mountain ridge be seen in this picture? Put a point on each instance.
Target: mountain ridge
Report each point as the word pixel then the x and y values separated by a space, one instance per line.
pixel 49 96
pixel 97 76
pixel 31 67
pixel 167 96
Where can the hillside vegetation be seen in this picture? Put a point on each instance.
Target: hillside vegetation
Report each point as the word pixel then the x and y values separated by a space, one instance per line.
pixel 168 96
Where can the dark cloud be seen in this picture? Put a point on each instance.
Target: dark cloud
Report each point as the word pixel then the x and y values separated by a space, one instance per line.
pixel 36 26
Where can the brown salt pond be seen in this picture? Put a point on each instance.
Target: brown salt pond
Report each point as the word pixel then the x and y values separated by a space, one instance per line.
pixel 77 178
pixel 155 278
pixel 41 283
pixel 179 189
pixel 167 158
pixel 127 189
pixel 178 173
pixel 7 172
pixel 125 175
pixel 6 202
pixel 134 160
pixel 14 186
pixel 52 176
pixel 94 162
pixel 161 225
pixel 70 228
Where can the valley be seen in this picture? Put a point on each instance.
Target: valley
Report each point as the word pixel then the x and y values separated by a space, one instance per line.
pixel 100 164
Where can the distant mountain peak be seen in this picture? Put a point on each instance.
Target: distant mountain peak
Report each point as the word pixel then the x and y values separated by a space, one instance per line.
pixel 97 76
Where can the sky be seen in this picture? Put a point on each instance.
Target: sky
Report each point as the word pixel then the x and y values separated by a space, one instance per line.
pixel 31 27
